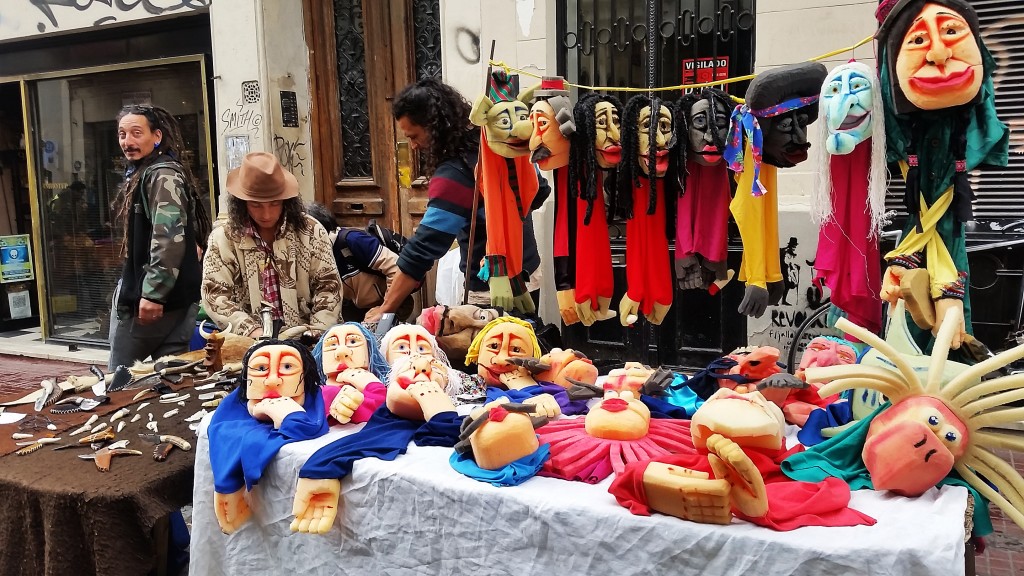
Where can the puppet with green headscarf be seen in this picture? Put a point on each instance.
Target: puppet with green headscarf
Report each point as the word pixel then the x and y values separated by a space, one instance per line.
pixel 941 123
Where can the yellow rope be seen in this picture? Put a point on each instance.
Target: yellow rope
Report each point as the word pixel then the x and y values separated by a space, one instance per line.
pixel 501 64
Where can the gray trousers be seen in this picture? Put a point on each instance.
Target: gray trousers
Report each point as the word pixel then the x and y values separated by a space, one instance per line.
pixel 130 342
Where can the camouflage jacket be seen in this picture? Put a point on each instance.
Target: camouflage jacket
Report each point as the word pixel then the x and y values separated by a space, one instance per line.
pixel 310 284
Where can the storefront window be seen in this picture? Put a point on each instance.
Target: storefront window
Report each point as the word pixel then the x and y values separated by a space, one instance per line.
pixel 79 174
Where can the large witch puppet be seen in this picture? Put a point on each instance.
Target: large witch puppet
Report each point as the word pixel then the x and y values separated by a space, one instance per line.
pixel 772 124
pixel 553 126
pixel 848 202
pixel 647 136
pixel 941 123
pixel 277 401
pixel 702 214
pixel 508 185
pixel 596 149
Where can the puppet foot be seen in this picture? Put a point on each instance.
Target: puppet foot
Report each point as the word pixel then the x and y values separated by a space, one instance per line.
pixel 730 463
pixel 232 510
pixel 316 505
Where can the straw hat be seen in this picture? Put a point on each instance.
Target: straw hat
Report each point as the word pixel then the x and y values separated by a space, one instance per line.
pixel 262 179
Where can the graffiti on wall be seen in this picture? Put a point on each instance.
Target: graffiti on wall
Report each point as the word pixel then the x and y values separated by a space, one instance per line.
pixel 107 11
pixel 289 154
pixel 242 117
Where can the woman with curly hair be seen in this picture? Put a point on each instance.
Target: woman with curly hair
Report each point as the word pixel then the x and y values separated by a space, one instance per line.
pixel 270 251
pixel 434 117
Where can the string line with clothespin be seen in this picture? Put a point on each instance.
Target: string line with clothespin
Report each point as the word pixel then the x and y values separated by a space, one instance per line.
pixel 509 69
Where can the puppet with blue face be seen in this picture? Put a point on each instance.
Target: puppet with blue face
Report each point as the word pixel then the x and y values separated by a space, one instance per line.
pixel 847 105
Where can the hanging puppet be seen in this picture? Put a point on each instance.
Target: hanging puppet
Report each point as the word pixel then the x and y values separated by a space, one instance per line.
pixel 508 186
pixel 277 401
pixel 353 371
pixel 943 417
pixel 646 139
pixel 940 124
pixel 702 213
pixel 553 126
pixel 418 409
pixel 596 150
pixel 848 202
pixel 772 125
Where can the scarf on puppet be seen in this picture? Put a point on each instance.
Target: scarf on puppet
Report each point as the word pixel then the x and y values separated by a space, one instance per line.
pixel 368 380
pixel 595 144
pixel 702 213
pixel 647 137
pixel 553 126
pixel 937 135
pixel 508 184
pixel 241 446
pixel 848 200
pixel 772 97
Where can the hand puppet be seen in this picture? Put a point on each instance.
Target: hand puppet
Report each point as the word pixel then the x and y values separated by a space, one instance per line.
pixel 353 369
pixel 277 401
pixel 820 351
pixel 940 124
pixel 848 202
pixel 595 150
pixel 508 184
pixel 647 136
pixel 498 444
pixel 702 212
pixel 455 327
pixel 772 124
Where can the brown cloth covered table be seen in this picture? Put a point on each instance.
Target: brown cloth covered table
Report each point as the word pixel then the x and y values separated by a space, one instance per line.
pixel 59 515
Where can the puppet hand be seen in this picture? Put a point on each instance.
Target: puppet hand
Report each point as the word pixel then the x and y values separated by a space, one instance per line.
pixel 524 303
pixel 688 273
pixel 775 292
pixel 346 403
pixel 476 412
pixel 782 380
pixel 546 405
pixel 358 377
pixel 532 365
pixel 658 313
pixel 431 397
pixel 755 301
pixel 231 509
pixel 658 382
pixel 891 284
pixel 629 310
pixel 567 306
pixel 316 505
pixel 942 307
pixel 501 291
pixel 588 315
pixel 275 409
pixel 729 462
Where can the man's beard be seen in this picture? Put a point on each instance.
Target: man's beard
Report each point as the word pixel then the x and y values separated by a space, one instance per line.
pixel 541 153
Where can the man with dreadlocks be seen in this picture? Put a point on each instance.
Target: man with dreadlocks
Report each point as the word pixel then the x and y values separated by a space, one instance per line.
pixel 165 224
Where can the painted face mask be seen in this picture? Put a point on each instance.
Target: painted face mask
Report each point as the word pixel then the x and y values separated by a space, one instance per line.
pixel 662 139
pixel 274 371
pixel 344 347
pixel 706 127
pixel 848 104
pixel 607 141
pixel 939 63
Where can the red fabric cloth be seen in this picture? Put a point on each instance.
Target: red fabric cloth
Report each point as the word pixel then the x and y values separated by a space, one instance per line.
pixel 702 217
pixel 791 504
pixel 648 277
pixel 848 260
pixel 594 268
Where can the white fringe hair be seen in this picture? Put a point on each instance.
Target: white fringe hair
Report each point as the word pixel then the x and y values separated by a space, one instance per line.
pixel 821 196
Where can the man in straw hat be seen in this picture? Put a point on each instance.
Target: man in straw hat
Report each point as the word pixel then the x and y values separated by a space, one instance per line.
pixel 271 251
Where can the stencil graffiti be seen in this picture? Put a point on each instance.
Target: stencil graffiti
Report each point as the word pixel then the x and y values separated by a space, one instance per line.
pixel 152 7
pixel 289 155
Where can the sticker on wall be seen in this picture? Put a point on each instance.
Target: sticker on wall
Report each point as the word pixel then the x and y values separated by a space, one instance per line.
pixel 15 259
pixel 236 147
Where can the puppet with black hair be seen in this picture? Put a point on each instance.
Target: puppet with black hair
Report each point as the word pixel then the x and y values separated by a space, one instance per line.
pixel 940 124
pixel 277 401
pixel 848 201
pixel 702 213
pixel 772 124
pixel 553 126
pixel 595 152
pixel 508 185
pixel 647 136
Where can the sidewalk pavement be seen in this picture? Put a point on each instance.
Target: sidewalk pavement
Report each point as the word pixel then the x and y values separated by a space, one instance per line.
pixel 29 343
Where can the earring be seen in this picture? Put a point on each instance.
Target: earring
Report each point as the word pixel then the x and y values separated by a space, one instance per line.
pixel 157 145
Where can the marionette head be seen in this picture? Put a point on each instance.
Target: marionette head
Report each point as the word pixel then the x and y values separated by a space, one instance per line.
pixel 349 345
pixel 607 129
pixel 499 435
pixel 456 326
pixel 646 139
pixel 501 340
pixel 933 49
pixel 826 351
pixel 596 144
pixel 552 121
pixel 505 120
pixel 848 98
pixel 632 376
pixel 411 369
pixel 567 367
pixel 407 340
pixel 278 369
pixel 748 419
pixel 784 101
pixel 703 117
pixel 619 416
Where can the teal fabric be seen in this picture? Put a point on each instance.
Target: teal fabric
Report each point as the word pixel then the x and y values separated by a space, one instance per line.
pixel 840 457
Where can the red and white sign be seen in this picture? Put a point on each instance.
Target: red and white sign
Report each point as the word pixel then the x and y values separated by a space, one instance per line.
pixel 700 70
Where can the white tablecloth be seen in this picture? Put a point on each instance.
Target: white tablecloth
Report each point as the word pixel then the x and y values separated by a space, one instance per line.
pixel 416 515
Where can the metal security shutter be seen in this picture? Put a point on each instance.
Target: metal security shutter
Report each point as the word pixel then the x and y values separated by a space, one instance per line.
pixel 1000 202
